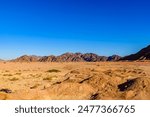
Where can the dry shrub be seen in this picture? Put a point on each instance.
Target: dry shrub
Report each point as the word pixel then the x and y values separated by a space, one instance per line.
pixel 53 70
pixel 14 79
pixel 49 78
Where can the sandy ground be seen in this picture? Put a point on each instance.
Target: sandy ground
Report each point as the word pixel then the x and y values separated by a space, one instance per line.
pixel 75 81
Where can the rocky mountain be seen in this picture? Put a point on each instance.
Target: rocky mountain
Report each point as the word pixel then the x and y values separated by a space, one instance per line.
pixel 48 59
pixel 90 57
pixel 68 57
pixel 114 58
pixel 26 58
pixel 143 54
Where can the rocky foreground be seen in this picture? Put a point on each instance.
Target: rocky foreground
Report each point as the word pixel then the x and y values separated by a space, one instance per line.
pixel 75 81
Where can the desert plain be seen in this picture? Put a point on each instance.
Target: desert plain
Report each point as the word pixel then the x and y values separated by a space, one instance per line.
pixel 74 80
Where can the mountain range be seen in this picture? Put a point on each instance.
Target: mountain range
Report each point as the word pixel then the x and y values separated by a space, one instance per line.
pixel 67 57
pixel 143 54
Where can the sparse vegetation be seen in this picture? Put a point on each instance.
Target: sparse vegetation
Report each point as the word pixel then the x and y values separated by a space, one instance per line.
pixel 35 86
pixel 18 73
pixel 38 75
pixel 7 75
pixel 26 70
pixel 32 75
pixel 35 75
pixel 53 70
pixel 49 78
pixel 14 79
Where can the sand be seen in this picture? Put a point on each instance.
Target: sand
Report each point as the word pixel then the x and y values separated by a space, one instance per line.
pixel 75 81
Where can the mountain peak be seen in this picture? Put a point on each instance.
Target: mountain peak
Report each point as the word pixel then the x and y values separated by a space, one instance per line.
pixel 143 54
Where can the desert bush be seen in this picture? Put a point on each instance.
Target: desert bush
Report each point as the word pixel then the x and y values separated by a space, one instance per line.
pixel 32 75
pixel 18 73
pixel 7 75
pixel 38 75
pixel 35 86
pixel 53 70
pixel 14 79
pixel 49 78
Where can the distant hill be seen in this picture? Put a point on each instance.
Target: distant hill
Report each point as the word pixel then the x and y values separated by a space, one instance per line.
pixel 114 58
pixel 67 57
pixel 143 54
pixel 26 58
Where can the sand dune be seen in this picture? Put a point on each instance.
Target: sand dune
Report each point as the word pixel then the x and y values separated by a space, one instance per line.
pixel 78 80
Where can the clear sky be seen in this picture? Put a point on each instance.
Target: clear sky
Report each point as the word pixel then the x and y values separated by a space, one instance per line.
pixel 45 27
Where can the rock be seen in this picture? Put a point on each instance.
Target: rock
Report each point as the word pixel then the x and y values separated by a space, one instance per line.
pixel 126 85
pixel 6 90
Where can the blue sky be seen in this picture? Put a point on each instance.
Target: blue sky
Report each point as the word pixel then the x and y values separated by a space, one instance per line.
pixel 45 27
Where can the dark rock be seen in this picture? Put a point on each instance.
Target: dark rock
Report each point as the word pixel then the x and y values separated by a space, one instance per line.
pixel 94 96
pixel 86 79
pixel 125 86
pixel 6 90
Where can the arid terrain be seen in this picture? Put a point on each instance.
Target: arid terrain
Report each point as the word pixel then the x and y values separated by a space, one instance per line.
pixel 74 80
